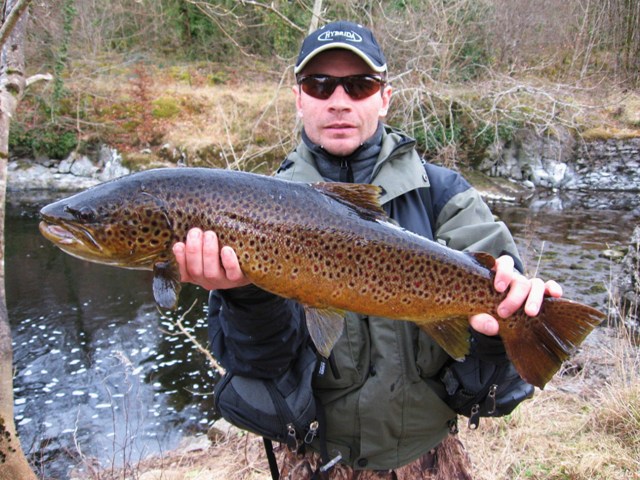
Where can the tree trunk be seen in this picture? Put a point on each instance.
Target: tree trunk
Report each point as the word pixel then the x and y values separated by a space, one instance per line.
pixel 13 463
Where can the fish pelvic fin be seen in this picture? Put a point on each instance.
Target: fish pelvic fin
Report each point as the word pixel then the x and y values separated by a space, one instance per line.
pixel 363 197
pixel 166 283
pixel 537 346
pixel 325 327
pixel 451 333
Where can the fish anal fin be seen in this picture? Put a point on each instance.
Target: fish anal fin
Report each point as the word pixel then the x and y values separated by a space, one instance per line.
pixel 166 283
pixel 537 346
pixel 483 258
pixel 325 328
pixel 363 197
pixel 451 333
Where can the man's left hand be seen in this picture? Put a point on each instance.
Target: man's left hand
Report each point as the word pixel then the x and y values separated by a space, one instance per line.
pixel 521 291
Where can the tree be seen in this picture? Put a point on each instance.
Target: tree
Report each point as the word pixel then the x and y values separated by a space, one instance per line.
pixel 13 463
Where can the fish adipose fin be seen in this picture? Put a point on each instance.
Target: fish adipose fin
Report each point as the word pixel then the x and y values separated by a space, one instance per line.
pixel 364 198
pixel 166 284
pixel 537 346
pixel 325 328
pixel 452 334
pixel 483 258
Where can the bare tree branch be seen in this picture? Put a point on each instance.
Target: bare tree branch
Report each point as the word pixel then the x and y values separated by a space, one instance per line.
pixel 10 20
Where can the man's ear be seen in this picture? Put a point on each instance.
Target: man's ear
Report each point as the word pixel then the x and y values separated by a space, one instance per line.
pixel 296 92
pixel 386 100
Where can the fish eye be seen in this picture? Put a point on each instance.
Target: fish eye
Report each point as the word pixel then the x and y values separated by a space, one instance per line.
pixel 84 214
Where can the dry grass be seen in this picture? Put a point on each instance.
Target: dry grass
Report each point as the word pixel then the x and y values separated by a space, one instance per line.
pixel 580 427
pixel 246 119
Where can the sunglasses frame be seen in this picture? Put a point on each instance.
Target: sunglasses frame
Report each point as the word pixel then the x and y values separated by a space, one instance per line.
pixel 333 82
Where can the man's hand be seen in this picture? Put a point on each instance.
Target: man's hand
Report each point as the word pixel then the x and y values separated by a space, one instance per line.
pixel 203 262
pixel 522 291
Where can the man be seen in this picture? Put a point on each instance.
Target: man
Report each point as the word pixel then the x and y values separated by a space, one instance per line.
pixel 388 404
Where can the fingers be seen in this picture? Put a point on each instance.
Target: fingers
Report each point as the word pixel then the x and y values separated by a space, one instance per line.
pixel 504 272
pixel 519 290
pixel 231 265
pixel 484 323
pixel 201 261
pixel 522 291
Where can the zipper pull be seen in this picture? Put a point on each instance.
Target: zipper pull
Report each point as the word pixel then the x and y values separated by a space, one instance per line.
pixel 292 439
pixel 492 397
pixel 313 431
pixel 474 418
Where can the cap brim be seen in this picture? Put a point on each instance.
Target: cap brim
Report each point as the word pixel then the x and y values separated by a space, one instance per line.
pixel 342 46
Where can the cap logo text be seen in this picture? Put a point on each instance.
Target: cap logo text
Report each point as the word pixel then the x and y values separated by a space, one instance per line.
pixel 340 35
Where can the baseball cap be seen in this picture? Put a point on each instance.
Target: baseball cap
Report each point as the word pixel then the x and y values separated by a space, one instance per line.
pixel 346 35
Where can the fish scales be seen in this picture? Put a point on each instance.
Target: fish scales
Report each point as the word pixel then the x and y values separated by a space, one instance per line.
pixel 329 246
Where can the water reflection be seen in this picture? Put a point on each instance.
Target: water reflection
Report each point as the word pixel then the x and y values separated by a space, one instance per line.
pixel 559 238
pixel 99 371
pixel 101 374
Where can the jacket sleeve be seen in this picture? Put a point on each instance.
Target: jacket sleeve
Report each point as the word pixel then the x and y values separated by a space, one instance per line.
pixel 466 223
pixel 255 333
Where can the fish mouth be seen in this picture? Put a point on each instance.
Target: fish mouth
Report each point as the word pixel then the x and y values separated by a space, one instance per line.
pixel 72 239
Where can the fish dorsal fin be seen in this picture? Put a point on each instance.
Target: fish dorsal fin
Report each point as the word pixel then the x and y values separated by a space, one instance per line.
pixel 483 258
pixel 363 197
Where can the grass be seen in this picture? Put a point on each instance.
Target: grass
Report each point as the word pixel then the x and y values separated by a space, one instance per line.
pixel 577 428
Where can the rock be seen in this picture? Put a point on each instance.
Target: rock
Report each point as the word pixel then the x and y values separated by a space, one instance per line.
pixel 83 167
pixel 612 254
pixel 558 161
pixel 628 285
pixel 76 172
pixel 193 444
pixel 113 168
pixel 220 431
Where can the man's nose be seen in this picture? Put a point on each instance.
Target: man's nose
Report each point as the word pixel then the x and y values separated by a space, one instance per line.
pixel 339 99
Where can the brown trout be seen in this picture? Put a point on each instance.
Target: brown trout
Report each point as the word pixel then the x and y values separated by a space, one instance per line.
pixel 327 245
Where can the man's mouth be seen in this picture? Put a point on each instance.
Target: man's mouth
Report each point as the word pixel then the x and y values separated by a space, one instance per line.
pixel 339 128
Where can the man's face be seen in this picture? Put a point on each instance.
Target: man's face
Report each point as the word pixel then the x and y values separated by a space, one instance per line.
pixel 340 124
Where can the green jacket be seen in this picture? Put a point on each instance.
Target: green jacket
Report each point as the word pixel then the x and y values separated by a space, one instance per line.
pixel 385 407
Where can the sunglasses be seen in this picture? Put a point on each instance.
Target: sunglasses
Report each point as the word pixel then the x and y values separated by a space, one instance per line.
pixel 357 87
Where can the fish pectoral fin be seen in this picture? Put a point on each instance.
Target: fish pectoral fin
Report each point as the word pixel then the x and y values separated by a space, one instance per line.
pixel 452 334
pixel 166 284
pixel 325 328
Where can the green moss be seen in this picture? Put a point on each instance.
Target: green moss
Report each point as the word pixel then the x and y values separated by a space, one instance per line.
pixel 52 141
pixel 165 107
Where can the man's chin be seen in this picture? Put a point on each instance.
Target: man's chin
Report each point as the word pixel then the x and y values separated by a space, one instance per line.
pixel 340 148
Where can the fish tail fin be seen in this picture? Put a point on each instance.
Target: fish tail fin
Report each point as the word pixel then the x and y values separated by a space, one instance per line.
pixel 538 345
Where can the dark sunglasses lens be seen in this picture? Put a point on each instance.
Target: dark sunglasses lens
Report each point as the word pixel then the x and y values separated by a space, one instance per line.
pixel 357 87
pixel 361 87
pixel 319 87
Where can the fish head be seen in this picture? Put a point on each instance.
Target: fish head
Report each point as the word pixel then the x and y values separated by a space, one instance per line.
pixel 116 223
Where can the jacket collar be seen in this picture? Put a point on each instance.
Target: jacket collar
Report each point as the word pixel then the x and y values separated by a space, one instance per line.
pixel 398 170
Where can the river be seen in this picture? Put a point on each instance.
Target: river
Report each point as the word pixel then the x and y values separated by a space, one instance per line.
pixel 102 378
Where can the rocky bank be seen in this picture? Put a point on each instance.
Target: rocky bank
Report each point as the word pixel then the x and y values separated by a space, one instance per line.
pixel 526 163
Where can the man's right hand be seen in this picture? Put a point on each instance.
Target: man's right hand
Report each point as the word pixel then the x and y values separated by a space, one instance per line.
pixel 203 262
